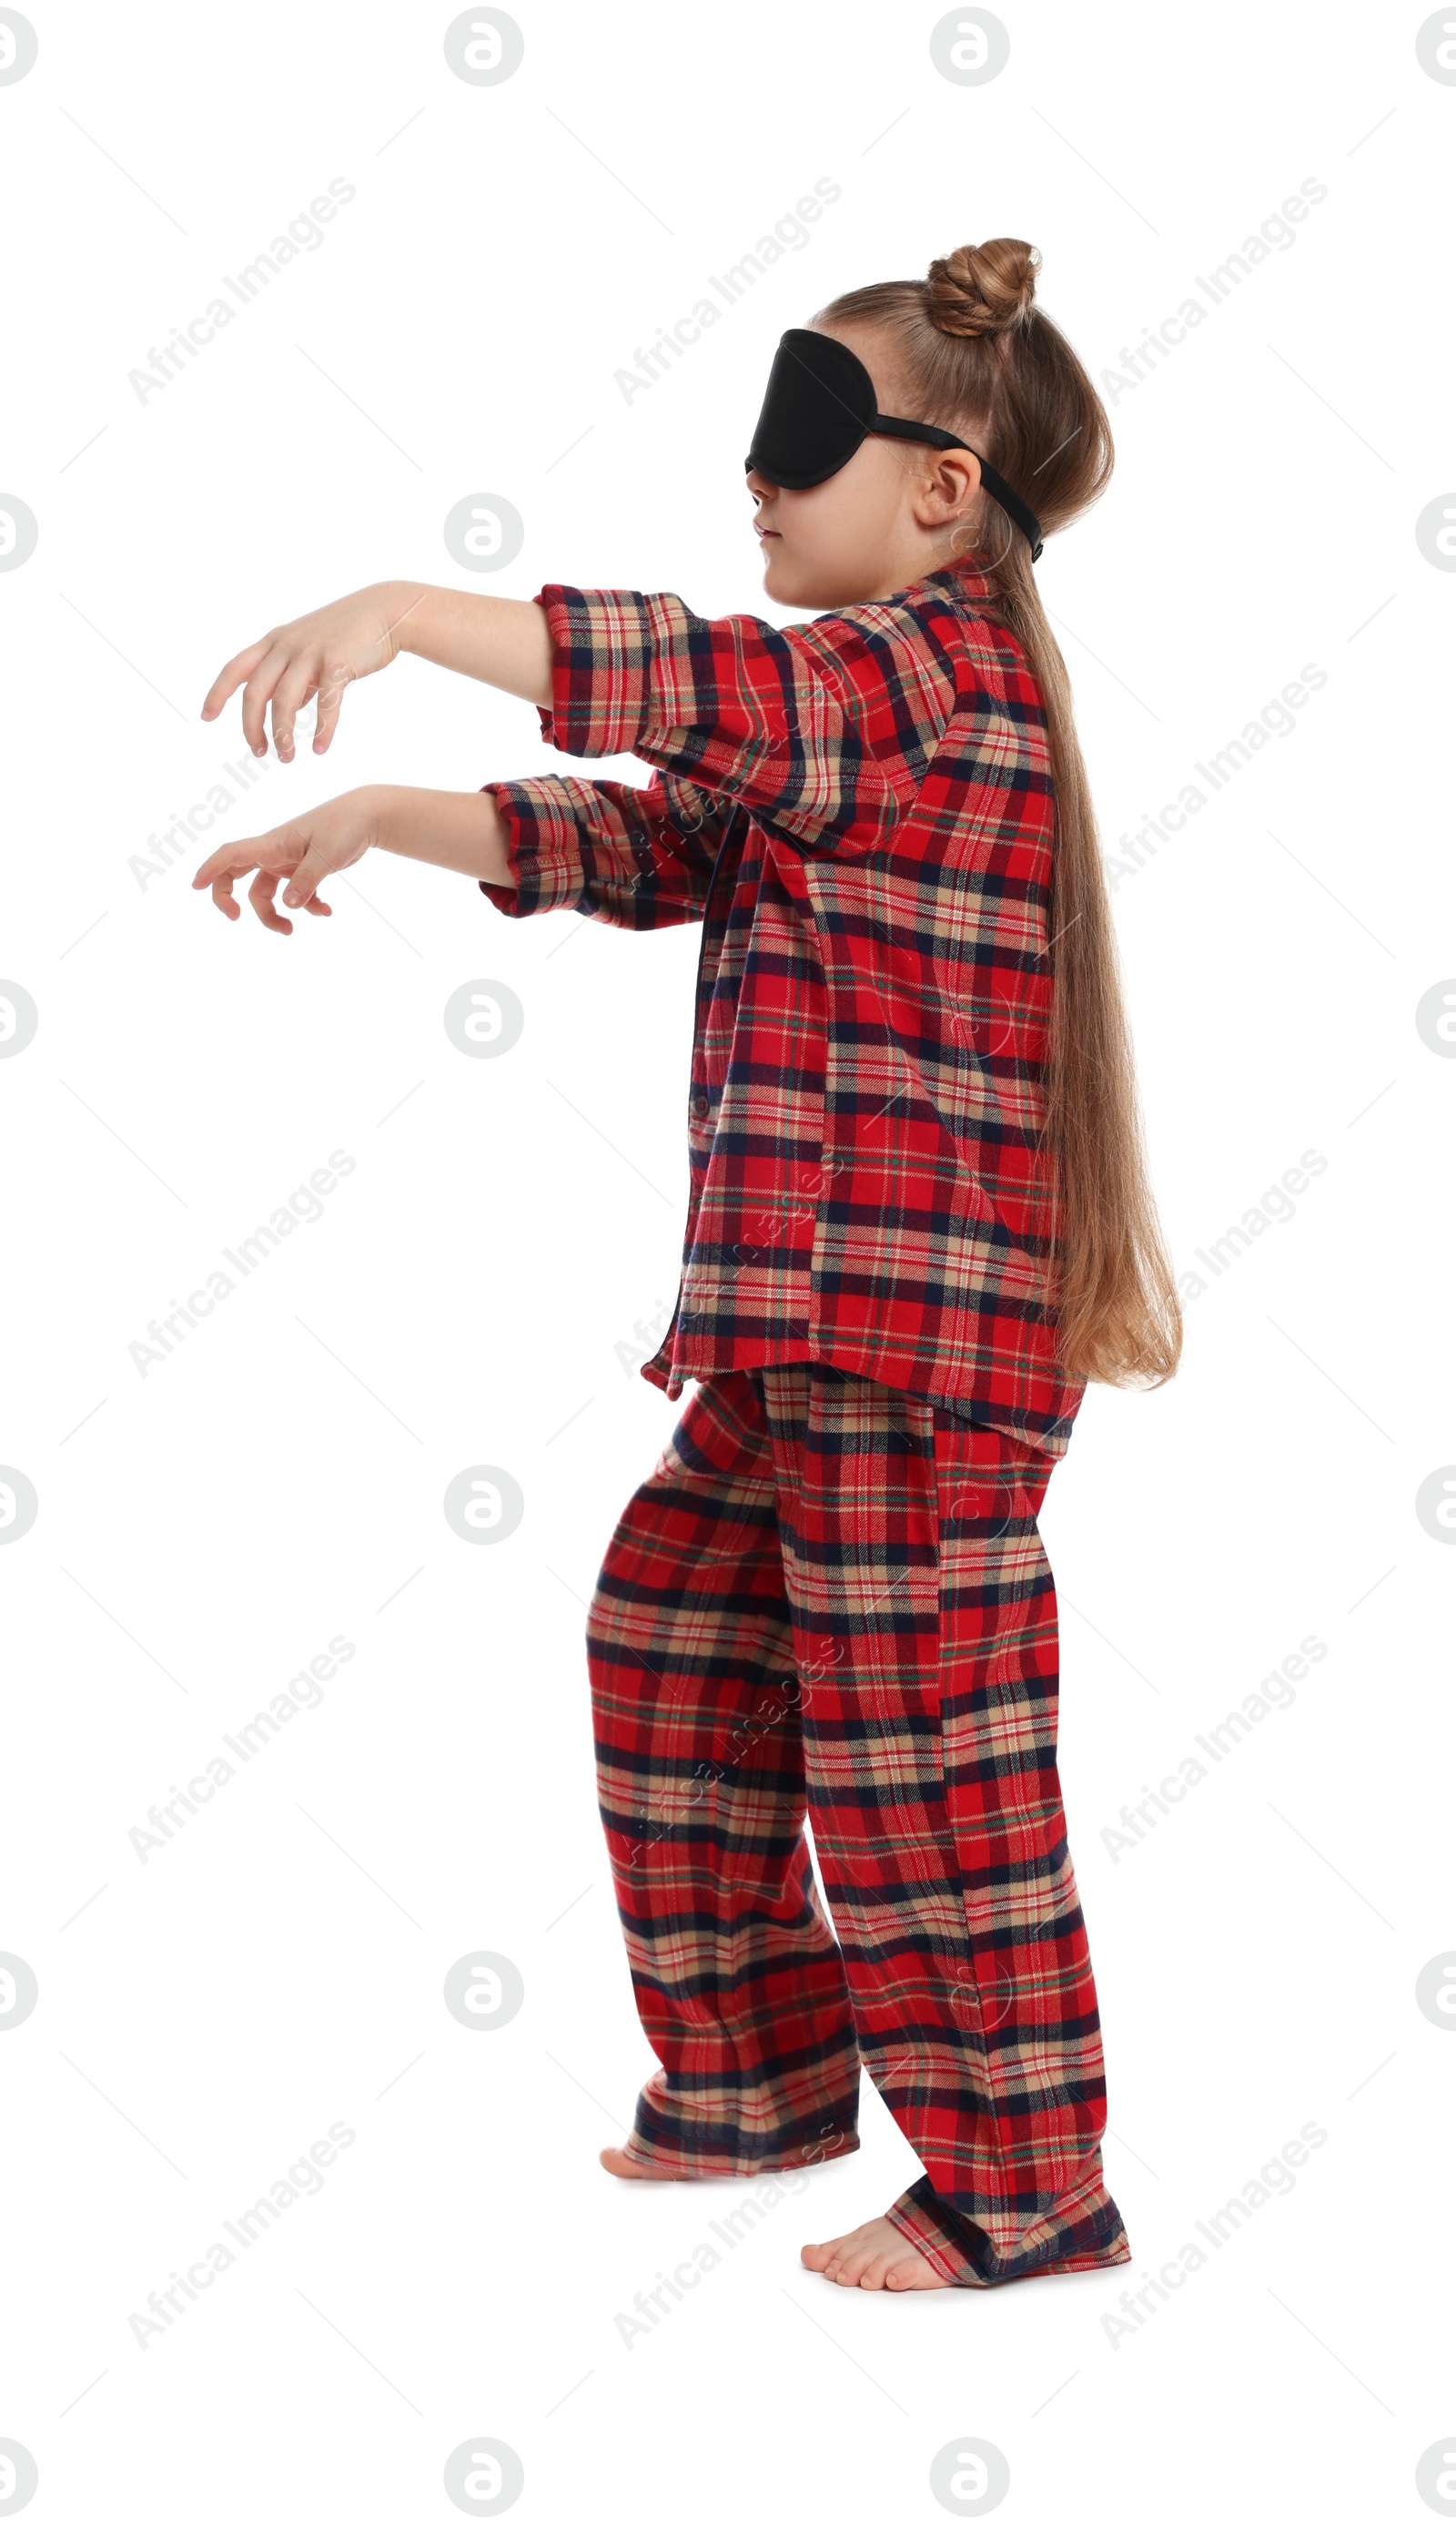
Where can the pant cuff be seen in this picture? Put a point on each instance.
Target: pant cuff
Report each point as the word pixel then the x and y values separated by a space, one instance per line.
pixel 964 2255
pixel 670 2146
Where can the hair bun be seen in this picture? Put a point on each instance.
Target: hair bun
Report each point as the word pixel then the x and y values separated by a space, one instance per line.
pixel 983 288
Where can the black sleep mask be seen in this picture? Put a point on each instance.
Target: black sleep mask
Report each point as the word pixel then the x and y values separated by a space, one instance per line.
pixel 820 407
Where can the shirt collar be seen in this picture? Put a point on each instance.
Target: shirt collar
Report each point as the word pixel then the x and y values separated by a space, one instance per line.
pixel 963 580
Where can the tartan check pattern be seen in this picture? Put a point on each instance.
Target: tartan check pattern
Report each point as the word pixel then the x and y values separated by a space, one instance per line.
pixel 858 810
pixel 832 1598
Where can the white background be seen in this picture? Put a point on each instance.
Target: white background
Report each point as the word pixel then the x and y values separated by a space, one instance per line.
pixel 205 1529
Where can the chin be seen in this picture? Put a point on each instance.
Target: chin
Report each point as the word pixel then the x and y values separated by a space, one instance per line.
pixel 788 583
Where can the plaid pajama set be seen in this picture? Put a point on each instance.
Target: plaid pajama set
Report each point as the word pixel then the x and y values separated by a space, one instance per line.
pixel 831 1596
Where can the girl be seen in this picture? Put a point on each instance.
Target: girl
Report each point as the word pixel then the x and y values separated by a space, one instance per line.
pixel 918 1224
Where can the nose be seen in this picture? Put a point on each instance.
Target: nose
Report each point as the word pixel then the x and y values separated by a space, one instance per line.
pixel 759 485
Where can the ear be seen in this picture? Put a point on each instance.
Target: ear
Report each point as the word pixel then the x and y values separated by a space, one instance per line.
pixel 949 487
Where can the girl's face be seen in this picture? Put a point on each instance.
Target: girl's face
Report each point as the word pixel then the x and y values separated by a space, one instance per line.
pixel 884 521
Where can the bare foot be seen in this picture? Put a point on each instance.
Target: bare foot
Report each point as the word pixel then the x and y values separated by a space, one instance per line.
pixel 872 2257
pixel 617 2161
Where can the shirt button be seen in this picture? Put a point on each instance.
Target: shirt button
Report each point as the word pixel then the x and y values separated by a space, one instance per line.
pixel 700 1103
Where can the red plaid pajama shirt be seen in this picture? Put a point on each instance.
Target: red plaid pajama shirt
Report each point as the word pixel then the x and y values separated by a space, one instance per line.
pixel 858 810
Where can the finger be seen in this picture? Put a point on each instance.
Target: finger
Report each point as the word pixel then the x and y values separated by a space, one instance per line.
pixel 256 694
pixel 222 895
pixel 261 895
pixel 234 859
pixel 310 873
pixel 282 848
pixel 235 673
pixel 293 688
pixel 332 686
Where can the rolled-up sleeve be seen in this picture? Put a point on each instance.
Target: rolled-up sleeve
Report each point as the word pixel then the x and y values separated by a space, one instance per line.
pixel 640 859
pixel 824 730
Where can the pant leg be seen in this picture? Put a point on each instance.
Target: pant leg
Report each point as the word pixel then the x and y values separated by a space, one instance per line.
pixel 699 1764
pixel 924 1620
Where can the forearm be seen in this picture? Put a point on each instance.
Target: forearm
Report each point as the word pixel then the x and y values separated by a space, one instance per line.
pixel 499 640
pixel 453 828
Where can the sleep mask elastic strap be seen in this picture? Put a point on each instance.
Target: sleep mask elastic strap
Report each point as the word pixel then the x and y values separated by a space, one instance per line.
pixel 881 427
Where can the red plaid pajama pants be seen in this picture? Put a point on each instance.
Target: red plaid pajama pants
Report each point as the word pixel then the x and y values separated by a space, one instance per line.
pixel 832 1596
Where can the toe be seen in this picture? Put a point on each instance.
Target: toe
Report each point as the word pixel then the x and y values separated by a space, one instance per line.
pixel 828 2257
pixel 617 2161
pixel 912 2273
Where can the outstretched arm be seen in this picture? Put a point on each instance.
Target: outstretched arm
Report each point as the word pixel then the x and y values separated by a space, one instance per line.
pixel 499 640
pixel 638 858
pixel 453 828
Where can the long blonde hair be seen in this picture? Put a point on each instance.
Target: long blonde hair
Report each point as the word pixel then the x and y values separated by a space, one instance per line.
pixel 973 354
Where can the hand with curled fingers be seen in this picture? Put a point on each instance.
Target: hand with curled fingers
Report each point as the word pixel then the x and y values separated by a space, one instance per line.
pixel 320 654
pixel 305 851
